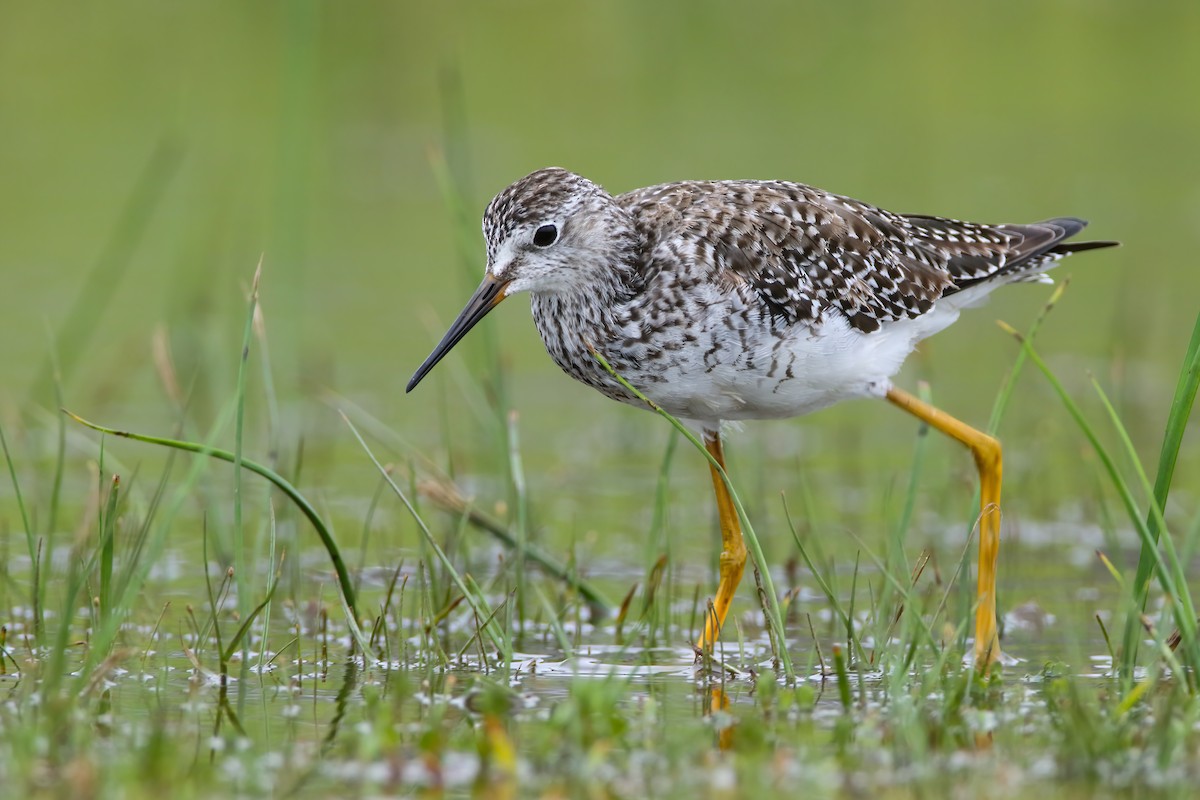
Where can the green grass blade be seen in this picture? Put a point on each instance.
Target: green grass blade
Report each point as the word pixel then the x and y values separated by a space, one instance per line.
pixel 1181 409
pixel 516 471
pixel 1155 524
pixel 271 543
pixel 1110 468
pixel 772 611
pixel 213 604
pixel 108 528
pixel 1010 382
pixel 480 608
pixel 499 634
pixel 445 495
pixel 16 483
pixel 896 558
pixel 29 537
pixel 823 582
pixel 240 635
pixel 345 585
pixel 899 586
pixel 556 626
pixel 243 579
pixel 239 429
pixel 60 451
pixel 658 542
pixel 139 560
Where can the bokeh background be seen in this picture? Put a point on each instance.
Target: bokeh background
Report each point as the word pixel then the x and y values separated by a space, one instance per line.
pixel 152 153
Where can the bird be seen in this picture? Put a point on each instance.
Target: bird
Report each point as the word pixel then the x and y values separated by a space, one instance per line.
pixel 730 300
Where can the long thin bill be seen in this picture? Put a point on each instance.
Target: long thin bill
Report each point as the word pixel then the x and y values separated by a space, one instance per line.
pixel 486 297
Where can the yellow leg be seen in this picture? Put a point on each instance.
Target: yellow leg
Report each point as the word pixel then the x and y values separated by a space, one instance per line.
pixel 987 459
pixel 719 701
pixel 733 550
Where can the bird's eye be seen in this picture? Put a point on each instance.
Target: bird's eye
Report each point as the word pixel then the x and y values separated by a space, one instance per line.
pixel 545 236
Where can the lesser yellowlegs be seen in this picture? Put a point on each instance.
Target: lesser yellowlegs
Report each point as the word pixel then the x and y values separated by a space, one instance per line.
pixel 734 300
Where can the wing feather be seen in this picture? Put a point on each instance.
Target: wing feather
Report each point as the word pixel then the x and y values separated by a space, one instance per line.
pixel 806 253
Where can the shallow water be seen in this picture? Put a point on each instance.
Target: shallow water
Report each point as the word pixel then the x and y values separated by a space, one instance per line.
pixel 302 137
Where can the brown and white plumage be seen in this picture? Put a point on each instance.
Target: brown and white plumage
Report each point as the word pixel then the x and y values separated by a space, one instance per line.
pixel 727 300
pixel 807 252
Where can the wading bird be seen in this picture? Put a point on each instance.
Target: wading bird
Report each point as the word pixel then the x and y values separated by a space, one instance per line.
pixel 738 300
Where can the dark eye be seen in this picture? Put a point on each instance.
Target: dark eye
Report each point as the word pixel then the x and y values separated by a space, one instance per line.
pixel 545 236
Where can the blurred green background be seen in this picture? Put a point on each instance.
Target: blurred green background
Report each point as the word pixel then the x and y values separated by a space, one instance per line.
pixel 302 133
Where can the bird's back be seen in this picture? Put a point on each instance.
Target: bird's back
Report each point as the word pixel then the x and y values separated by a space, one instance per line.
pixel 805 253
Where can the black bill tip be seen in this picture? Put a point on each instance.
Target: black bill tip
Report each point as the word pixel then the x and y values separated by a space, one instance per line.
pixel 486 297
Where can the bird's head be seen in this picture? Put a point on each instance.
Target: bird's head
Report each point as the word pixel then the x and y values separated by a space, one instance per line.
pixel 551 232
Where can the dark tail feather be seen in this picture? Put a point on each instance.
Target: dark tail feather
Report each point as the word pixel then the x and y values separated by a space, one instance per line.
pixel 1079 247
pixel 1065 228
pixel 1039 247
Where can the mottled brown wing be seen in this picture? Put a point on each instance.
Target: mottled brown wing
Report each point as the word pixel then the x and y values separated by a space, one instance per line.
pixel 976 253
pixel 805 252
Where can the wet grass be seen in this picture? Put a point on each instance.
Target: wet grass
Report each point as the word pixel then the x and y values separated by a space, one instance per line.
pixel 491 660
pixel 232 589
pixel 488 664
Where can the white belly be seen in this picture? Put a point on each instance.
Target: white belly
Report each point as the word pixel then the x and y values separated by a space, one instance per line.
pixel 770 377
